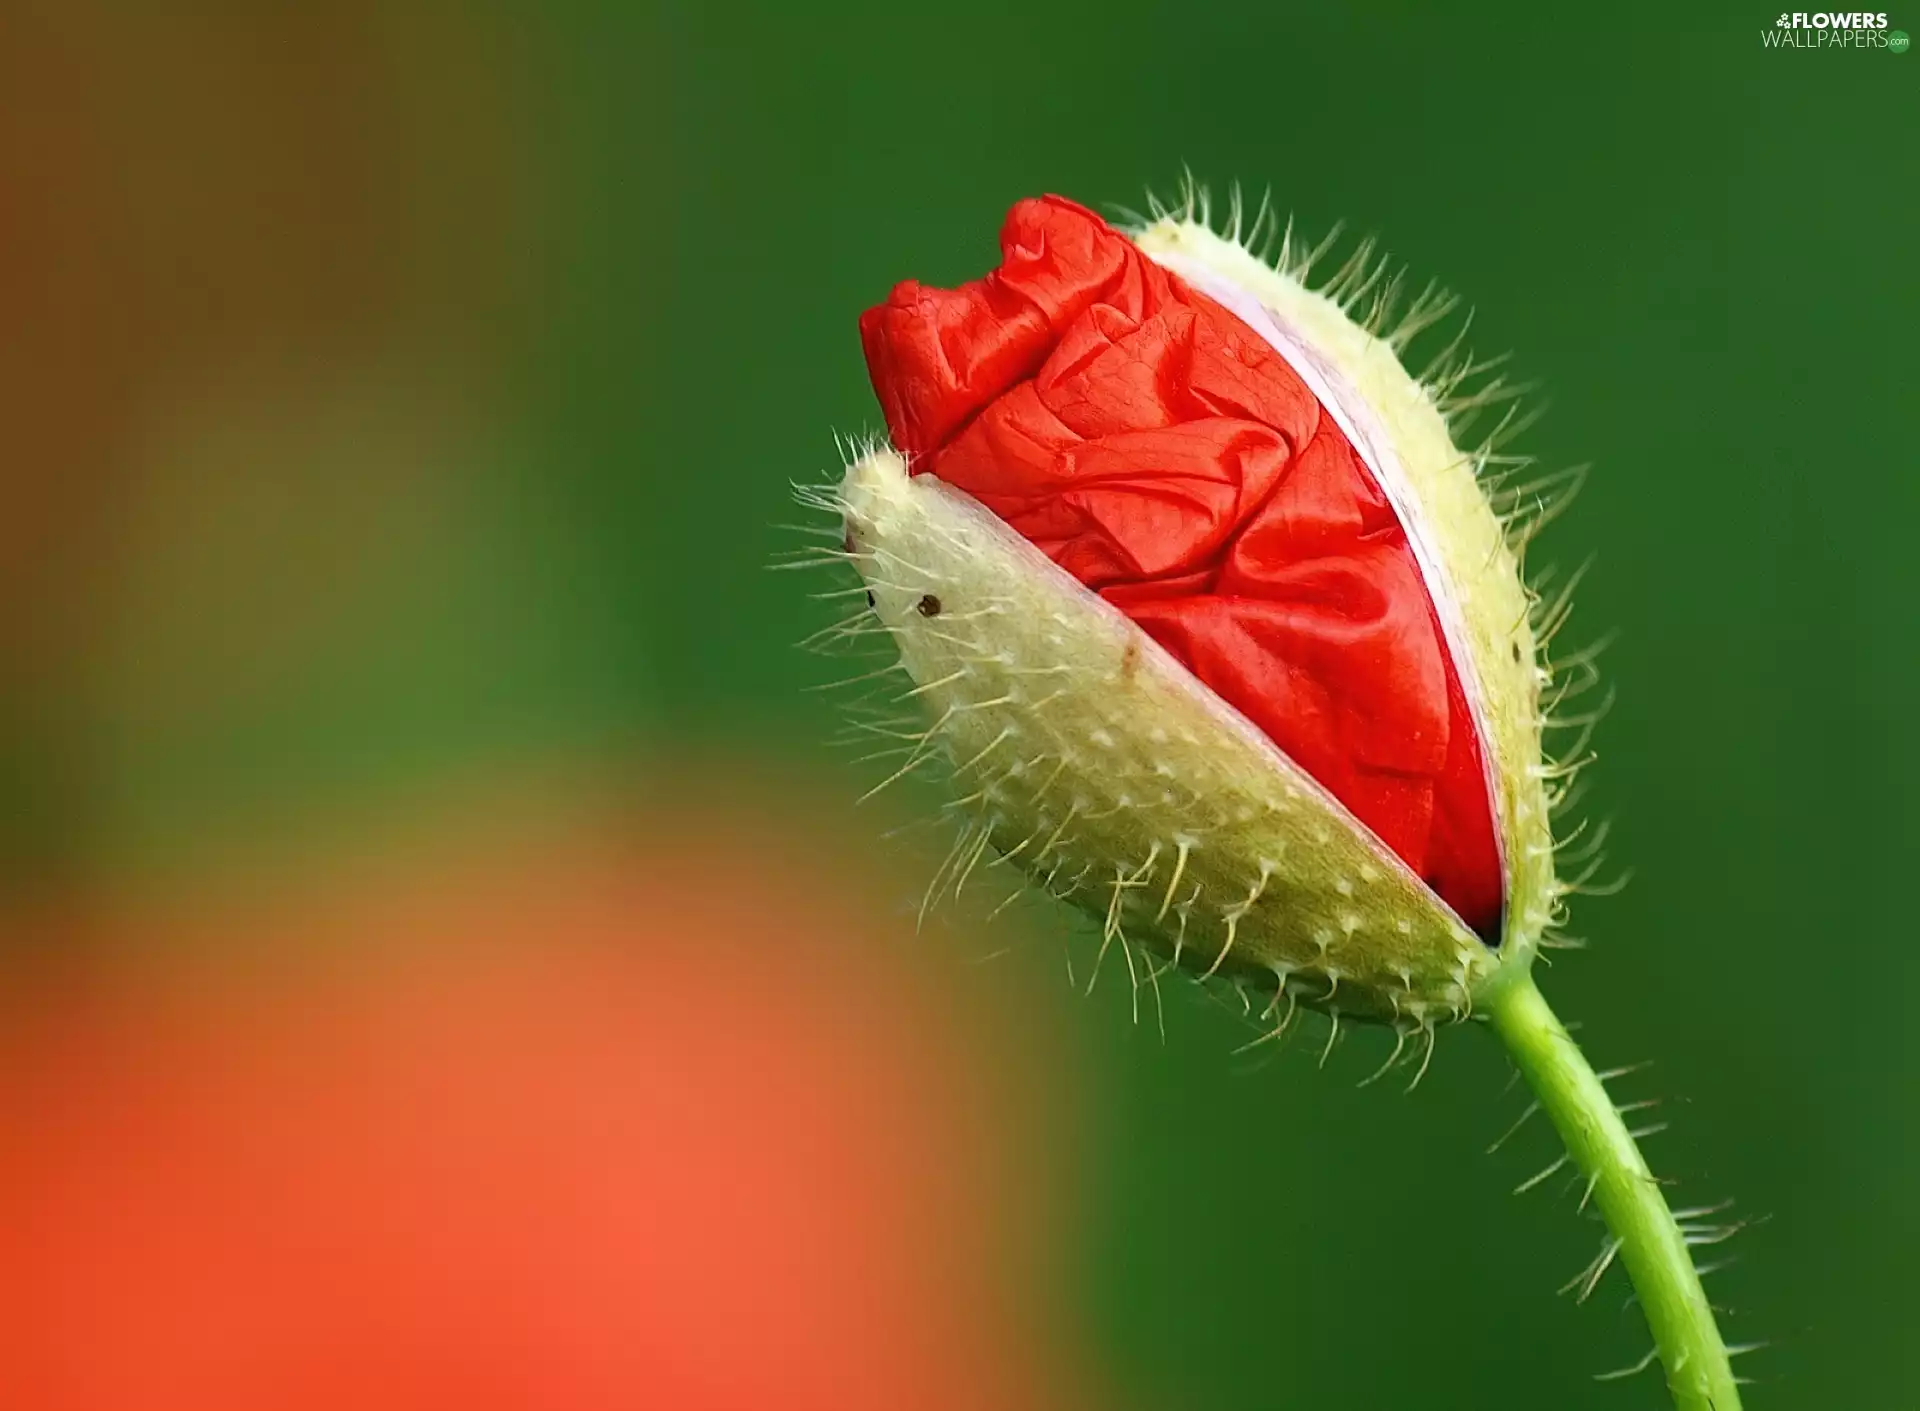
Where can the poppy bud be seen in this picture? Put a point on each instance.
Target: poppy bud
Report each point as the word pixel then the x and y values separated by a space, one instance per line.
pixel 1222 635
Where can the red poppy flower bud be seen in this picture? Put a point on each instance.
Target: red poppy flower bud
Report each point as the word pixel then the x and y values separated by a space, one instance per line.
pixel 1221 632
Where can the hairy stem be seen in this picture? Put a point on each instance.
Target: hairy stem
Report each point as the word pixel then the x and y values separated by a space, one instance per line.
pixel 1650 1241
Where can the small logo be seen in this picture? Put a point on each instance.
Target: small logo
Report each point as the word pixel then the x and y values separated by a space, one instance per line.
pixel 1831 30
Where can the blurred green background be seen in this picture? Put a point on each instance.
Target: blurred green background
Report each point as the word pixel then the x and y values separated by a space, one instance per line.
pixel 395 399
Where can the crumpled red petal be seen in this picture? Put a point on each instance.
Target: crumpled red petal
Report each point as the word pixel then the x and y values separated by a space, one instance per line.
pixel 1168 457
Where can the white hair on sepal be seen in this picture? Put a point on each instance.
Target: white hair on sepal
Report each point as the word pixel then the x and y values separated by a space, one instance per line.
pixel 1087 759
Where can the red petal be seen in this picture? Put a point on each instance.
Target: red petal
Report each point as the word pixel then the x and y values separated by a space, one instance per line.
pixel 1167 456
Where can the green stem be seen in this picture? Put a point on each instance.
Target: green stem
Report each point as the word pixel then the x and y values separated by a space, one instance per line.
pixel 1650 1241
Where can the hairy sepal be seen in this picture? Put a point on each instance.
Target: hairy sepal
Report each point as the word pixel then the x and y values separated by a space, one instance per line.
pixel 1106 772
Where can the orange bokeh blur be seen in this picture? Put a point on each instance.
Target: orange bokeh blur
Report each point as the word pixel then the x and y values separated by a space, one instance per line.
pixel 576 1124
